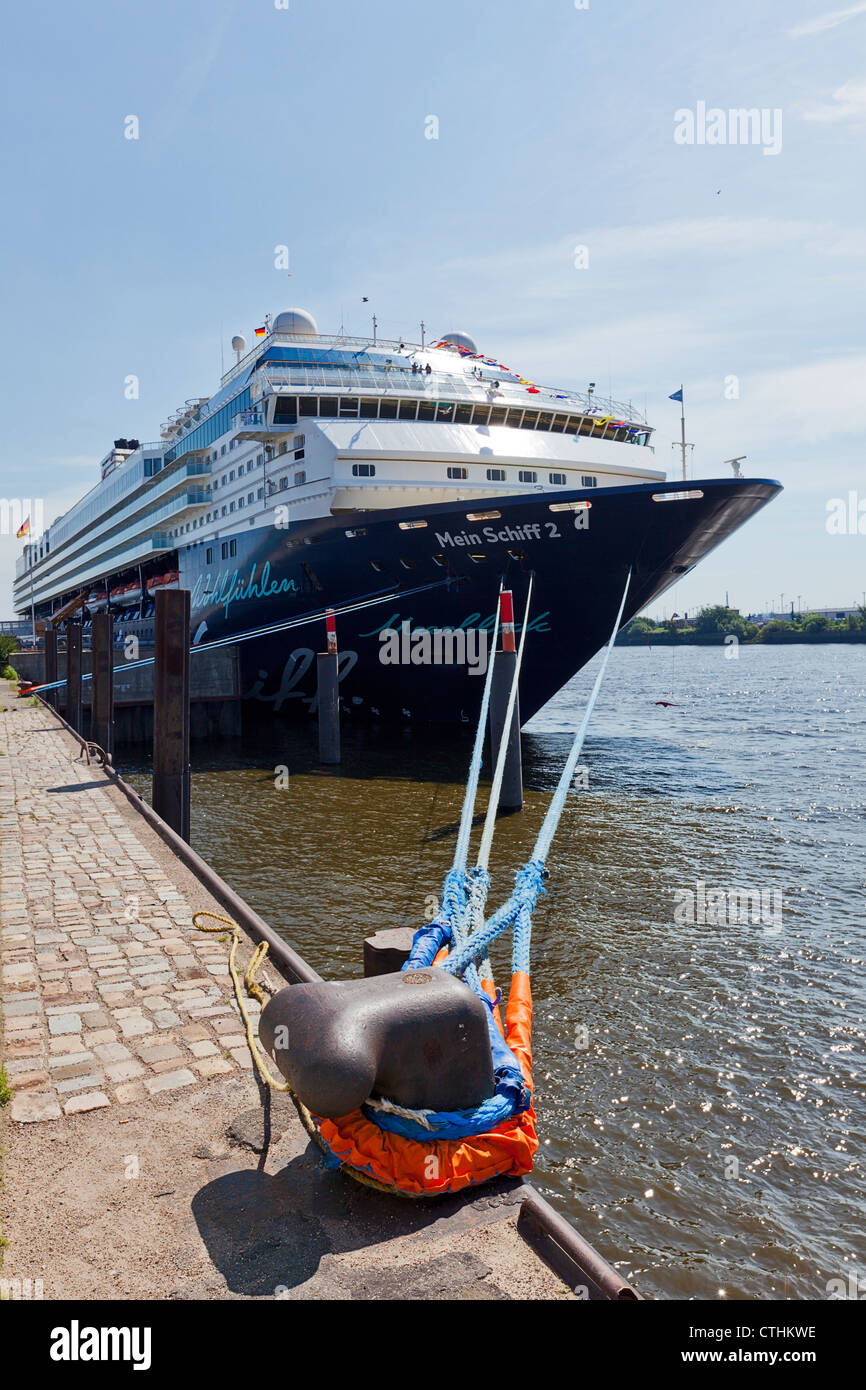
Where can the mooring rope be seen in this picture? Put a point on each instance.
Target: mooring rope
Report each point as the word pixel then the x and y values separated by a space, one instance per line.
pixel 517 910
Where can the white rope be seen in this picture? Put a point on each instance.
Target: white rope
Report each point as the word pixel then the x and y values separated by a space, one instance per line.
pixel 496 789
pixel 461 850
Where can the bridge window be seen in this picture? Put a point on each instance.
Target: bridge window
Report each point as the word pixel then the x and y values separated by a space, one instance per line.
pixel 588 481
pixel 408 410
pixel 530 419
pixel 496 475
pixel 369 409
pixel 300 477
pixel 458 473
pixel 527 475
pixel 363 470
pixel 387 410
pixel 558 479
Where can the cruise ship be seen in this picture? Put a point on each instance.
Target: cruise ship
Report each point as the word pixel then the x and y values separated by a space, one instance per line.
pixel 401 484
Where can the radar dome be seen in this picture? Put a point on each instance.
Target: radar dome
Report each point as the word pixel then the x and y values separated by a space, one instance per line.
pixel 295 323
pixel 460 340
pixel 239 342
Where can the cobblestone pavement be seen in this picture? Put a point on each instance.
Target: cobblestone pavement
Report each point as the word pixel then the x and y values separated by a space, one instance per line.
pixel 108 992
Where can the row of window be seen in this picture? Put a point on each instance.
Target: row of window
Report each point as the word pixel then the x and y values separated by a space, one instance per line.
pixel 228 549
pixel 290 408
pixel 457 473
pixel 242 468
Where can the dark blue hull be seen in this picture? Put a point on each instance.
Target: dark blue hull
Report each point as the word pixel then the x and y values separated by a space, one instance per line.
pixel 579 571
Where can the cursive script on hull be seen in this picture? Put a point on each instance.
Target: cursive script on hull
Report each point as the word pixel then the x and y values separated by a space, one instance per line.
pixel 224 588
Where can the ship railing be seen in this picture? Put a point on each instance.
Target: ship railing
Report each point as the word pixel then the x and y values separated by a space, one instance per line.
pixel 440 386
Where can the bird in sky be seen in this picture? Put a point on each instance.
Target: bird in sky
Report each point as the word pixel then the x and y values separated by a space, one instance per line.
pixel 364 299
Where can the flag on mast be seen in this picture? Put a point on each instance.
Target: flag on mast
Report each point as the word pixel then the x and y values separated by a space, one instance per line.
pixel 23 529
pixel 677 395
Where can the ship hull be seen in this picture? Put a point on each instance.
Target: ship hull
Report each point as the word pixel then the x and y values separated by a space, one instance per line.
pixel 444 572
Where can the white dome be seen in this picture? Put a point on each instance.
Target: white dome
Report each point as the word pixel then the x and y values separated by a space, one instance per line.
pixel 460 340
pixel 295 323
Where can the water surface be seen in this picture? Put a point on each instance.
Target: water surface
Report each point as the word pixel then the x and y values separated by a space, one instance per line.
pixel 699 1086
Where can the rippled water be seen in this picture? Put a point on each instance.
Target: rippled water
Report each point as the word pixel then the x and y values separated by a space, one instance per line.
pixel 699 1087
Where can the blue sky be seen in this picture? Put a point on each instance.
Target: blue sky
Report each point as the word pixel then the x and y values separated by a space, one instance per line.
pixel 306 126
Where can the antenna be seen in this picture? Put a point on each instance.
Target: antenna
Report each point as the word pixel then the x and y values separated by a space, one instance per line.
pixel 682 444
pixel 422 332
pixel 375 326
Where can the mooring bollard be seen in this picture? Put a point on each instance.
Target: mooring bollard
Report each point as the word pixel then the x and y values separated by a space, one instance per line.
pixel 73 676
pixel 328 702
pixel 171 709
pixel 51 664
pixel 386 951
pixel 102 691
pixel 511 795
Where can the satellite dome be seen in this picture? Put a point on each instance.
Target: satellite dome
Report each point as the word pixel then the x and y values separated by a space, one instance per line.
pixel 239 342
pixel 295 323
pixel 460 340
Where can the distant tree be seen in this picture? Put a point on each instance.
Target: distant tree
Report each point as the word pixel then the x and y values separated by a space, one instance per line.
pixel 719 619
pixel 8 645
pixel 642 626
pixel 816 622
pixel 776 631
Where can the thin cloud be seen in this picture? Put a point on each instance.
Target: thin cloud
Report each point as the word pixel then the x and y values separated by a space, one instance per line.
pixel 821 23
pixel 849 104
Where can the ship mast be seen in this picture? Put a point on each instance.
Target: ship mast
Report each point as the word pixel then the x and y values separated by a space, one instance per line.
pixel 683 446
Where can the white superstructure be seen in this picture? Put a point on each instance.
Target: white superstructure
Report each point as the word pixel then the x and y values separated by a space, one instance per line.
pixel 317 425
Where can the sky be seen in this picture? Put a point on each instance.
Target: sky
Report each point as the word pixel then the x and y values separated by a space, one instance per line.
pixel 566 213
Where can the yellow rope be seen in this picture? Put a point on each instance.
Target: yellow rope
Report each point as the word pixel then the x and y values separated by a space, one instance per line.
pixel 253 988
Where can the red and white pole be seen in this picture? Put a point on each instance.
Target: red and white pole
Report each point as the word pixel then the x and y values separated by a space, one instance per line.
pixel 506 620
pixel 331 628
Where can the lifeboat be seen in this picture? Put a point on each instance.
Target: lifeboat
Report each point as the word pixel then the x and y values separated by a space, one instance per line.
pixel 169 580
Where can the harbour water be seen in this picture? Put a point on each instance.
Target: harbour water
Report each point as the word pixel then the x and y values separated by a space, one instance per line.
pixel 699 1080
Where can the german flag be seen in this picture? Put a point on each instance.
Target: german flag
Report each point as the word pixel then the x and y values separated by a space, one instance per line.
pixel 23 529
pixel 260 332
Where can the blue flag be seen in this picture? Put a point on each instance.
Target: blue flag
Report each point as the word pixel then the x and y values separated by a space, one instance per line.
pixel 677 396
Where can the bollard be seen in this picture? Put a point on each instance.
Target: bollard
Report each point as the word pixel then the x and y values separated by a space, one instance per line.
pixel 51 664
pixel 73 676
pixel 171 709
pixel 386 951
pixel 102 691
pixel 328 702
pixel 511 796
